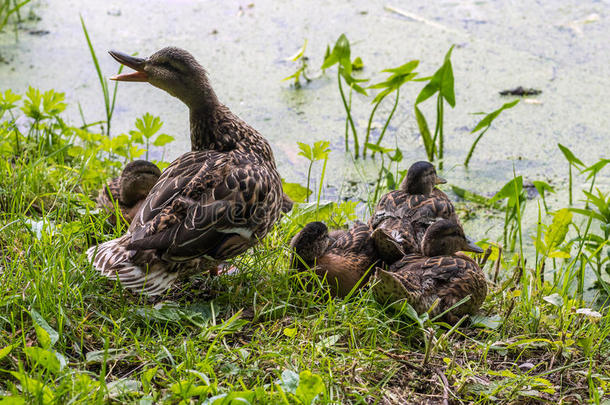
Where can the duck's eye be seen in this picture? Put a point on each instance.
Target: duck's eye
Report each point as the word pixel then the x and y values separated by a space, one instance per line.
pixel 167 66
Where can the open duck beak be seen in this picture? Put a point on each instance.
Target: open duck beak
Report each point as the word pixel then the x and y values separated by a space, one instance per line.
pixel 440 180
pixel 136 64
pixel 471 247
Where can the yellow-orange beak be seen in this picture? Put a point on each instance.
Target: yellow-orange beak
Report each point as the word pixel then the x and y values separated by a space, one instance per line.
pixel 136 64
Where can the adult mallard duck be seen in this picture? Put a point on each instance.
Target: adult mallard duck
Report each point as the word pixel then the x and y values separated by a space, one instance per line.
pixel 129 190
pixel 341 258
pixel 402 216
pixel 438 274
pixel 210 204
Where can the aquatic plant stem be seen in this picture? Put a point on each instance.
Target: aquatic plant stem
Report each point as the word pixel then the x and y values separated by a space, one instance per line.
pixel 387 122
pixel 570 182
pixel 474 145
pixel 368 127
pixel 309 177
pixel 441 140
pixel 321 181
pixel 349 117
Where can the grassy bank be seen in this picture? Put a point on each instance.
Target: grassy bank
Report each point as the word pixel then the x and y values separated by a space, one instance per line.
pixel 259 336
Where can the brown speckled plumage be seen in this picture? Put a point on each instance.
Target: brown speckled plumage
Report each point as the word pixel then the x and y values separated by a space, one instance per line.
pixel 129 190
pixel 210 204
pixel 402 216
pixel 342 258
pixel 440 273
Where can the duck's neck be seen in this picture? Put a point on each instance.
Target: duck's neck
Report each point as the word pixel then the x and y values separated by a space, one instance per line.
pixel 203 110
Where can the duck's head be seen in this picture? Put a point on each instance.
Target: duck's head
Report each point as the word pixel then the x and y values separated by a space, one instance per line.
pixel 137 179
pixel 171 69
pixel 445 237
pixel 421 178
pixel 311 242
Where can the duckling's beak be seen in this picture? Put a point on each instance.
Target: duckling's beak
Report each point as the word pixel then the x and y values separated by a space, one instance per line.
pixel 440 180
pixel 471 247
pixel 136 64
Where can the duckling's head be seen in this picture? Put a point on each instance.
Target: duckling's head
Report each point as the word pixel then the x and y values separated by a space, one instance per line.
pixel 171 69
pixel 137 179
pixel 311 242
pixel 421 178
pixel 445 237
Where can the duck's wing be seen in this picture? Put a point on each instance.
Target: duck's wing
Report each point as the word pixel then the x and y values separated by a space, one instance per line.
pixel 356 240
pixel 451 279
pixel 206 203
pixel 387 207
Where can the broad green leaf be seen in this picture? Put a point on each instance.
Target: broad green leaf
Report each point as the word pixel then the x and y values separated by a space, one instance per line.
pixel 34 387
pixel 47 336
pixel 588 213
pixel 147 377
pixel 8 100
pixel 376 148
pixel 52 102
pixel 289 381
pixel 148 125
pixel 425 133
pixel 5 351
pixel 44 358
pixel 489 322
pixel 12 400
pixel 397 156
pixel 290 332
pixel 557 231
pixel 559 254
pixel 554 299
pixel 570 156
pixel 306 151
pixel 510 190
pixel 403 69
pixel 320 150
pixel 163 139
pixel 188 389
pixel 98 356
pixel 442 81
pixel 310 386
pixel 296 192
pixel 542 187
pixel 123 386
pixel 489 118
pixel 340 53
pixel 596 167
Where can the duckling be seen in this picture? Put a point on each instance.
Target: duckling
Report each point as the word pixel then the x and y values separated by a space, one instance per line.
pixel 439 273
pixel 210 204
pixel 402 216
pixel 128 190
pixel 342 258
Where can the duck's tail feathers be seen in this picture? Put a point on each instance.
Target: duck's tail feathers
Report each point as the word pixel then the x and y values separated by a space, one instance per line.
pixel 113 260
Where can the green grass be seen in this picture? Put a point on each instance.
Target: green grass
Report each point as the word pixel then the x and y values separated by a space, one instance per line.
pixel 69 336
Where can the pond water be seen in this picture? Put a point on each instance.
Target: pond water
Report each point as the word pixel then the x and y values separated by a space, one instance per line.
pixel 561 48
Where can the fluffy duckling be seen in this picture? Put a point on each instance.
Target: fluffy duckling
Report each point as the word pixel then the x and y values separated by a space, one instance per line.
pixel 129 190
pixel 210 204
pixel 436 274
pixel 402 216
pixel 342 258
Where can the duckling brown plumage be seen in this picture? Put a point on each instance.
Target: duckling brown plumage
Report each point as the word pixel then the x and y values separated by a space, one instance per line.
pixel 341 258
pixel 129 190
pixel 439 273
pixel 402 216
pixel 210 204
